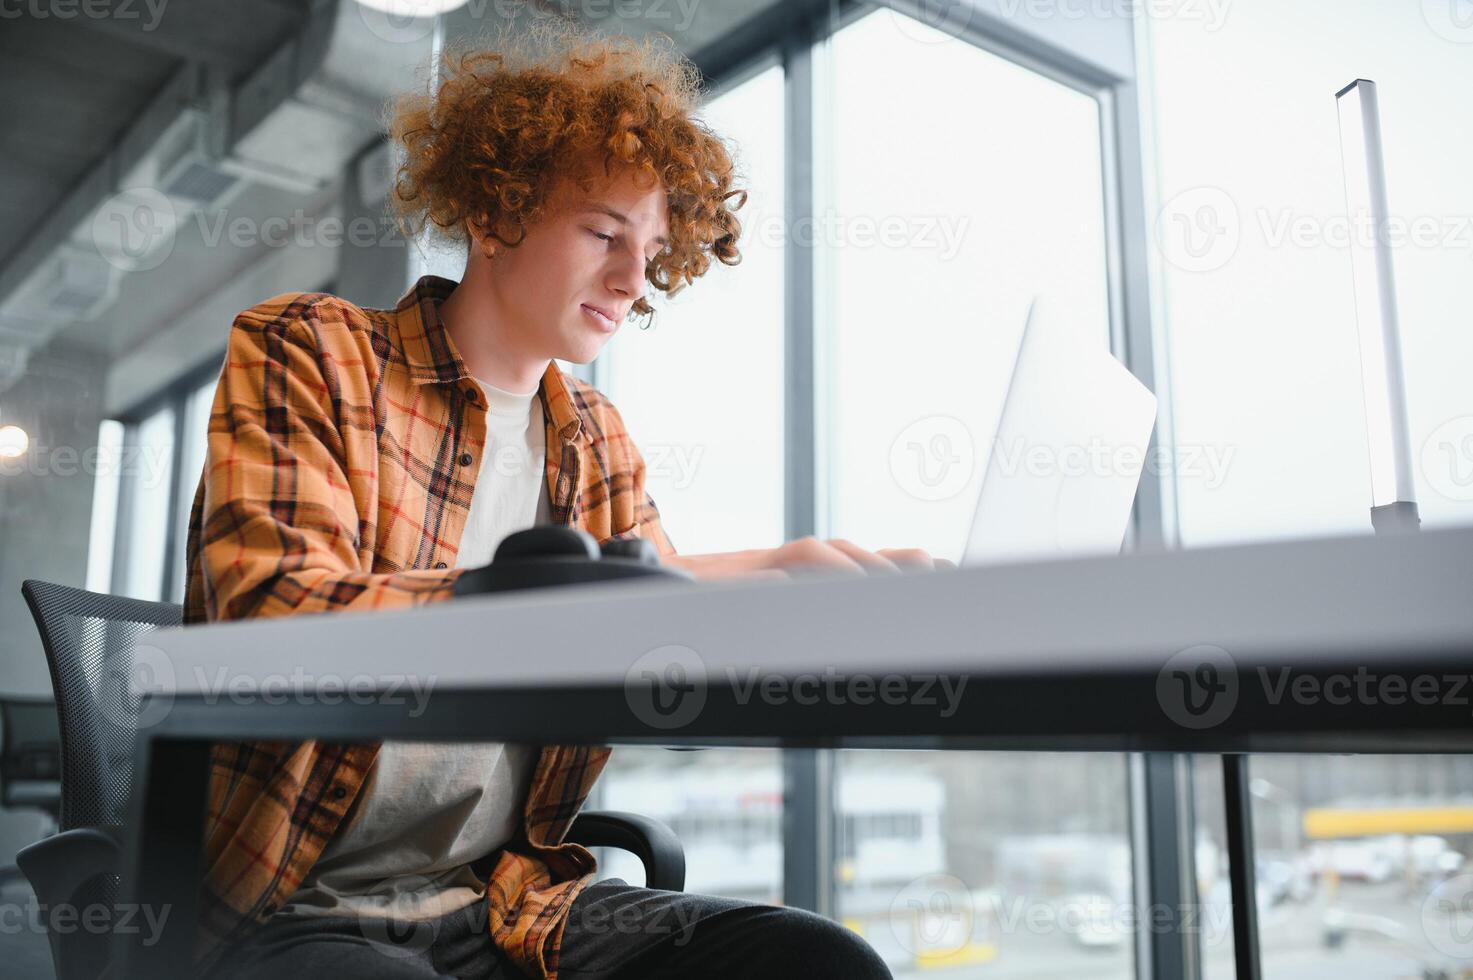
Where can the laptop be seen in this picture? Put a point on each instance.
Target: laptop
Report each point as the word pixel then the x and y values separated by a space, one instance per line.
pixel 1068 454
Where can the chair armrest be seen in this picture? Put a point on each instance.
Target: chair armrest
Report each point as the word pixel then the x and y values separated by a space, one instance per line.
pixel 57 866
pixel 655 844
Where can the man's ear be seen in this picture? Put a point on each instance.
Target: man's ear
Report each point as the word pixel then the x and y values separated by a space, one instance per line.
pixel 487 247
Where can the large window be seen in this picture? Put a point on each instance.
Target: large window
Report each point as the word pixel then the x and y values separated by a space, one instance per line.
pixel 1359 858
pixel 725 805
pixel 957 198
pixel 196 408
pixel 103 527
pixel 988 865
pixel 145 504
pixel 1255 274
pixel 702 389
pixel 143 495
pixel 1361 865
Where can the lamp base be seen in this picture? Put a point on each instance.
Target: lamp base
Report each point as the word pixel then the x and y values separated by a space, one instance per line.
pixel 1400 515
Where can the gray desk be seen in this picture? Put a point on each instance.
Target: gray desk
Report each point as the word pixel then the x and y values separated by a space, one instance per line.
pixel 1332 645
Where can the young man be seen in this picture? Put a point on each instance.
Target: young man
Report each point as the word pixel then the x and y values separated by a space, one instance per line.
pixel 363 459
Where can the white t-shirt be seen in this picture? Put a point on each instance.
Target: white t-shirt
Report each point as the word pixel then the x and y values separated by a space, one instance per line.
pixel 426 810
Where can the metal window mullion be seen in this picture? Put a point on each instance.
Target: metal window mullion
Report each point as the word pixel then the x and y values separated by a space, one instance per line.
pixel 1241 872
pixel 179 403
pixel 808 830
pixel 1164 857
pixel 1127 258
pixel 1162 800
pixel 808 774
pixel 127 502
pixel 800 436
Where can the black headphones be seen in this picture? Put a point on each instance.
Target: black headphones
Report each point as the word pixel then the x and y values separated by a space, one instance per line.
pixel 551 554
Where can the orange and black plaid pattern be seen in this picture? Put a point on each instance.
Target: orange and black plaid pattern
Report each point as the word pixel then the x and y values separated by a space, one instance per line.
pixel 344 445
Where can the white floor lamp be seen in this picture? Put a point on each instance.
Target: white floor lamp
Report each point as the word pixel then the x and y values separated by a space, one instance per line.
pixel 1393 493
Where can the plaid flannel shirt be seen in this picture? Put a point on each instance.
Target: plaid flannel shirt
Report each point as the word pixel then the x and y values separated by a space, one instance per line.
pixel 344 445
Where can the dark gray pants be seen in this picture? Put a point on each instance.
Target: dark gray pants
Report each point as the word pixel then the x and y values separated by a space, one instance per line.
pixel 615 931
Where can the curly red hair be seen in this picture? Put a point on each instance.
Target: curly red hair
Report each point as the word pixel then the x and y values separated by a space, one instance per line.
pixel 485 149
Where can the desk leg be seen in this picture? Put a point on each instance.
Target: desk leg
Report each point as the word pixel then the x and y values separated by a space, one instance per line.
pixel 1241 871
pixel 169 782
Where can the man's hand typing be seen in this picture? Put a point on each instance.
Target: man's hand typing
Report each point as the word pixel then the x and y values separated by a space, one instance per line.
pixel 806 555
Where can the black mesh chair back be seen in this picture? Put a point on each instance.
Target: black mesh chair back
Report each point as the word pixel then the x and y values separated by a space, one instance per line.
pixel 88 638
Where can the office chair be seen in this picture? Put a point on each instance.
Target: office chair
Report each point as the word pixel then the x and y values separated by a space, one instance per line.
pixel 88 639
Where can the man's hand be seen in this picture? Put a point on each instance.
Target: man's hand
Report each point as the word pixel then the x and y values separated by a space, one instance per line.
pixel 806 555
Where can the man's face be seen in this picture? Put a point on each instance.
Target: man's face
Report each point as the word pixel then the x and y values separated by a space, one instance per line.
pixel 589 252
